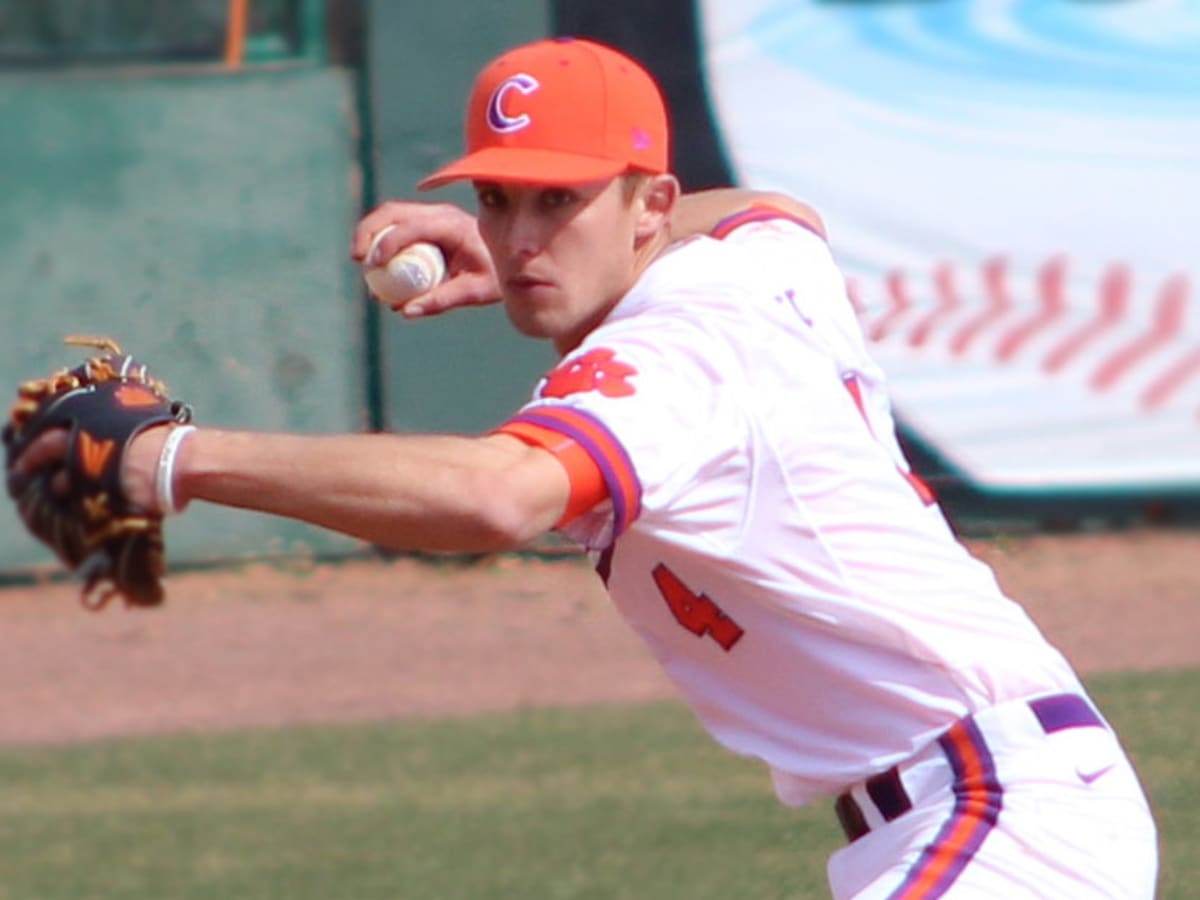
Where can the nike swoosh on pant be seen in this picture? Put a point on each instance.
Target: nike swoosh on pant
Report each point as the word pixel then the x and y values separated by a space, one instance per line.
pixel 1089 777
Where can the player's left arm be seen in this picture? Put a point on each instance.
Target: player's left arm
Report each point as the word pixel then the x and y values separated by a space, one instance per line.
pixel 407 492
pixel 414 492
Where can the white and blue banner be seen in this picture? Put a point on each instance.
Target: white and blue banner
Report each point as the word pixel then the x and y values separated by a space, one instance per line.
pixel 1013 189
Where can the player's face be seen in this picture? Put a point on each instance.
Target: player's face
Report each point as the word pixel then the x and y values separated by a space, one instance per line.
pixel 563 255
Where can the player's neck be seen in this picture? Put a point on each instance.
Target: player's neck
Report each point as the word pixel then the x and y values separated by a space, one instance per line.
pixel 644 256
pixel 648 253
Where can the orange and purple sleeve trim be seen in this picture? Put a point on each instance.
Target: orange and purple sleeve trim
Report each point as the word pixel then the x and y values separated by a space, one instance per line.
pixel 596 463
pixel 978 799
pixel 760 212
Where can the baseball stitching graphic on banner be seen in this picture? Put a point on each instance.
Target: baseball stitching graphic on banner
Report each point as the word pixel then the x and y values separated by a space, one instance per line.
pixel 1014 191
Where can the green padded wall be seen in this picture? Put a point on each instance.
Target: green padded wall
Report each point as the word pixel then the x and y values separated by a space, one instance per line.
pixel 466 371
pixel 203 219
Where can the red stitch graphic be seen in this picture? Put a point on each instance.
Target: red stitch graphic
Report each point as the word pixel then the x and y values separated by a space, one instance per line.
pixel 596 370
pixel 1114 299
pixel 1160 390
pixel 1168 320
pixel 897 291
pixel 1052 292
pixel 1161 349
pixel 995 280
pixel 948 301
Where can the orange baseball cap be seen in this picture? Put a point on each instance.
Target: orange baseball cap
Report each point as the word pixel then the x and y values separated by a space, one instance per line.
pixel 561 111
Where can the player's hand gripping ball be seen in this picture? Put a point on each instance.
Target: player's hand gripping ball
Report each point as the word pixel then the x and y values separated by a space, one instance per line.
pixel 88 521
pixel 417 268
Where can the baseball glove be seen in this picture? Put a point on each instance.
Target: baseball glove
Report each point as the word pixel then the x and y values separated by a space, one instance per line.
pixel 86 519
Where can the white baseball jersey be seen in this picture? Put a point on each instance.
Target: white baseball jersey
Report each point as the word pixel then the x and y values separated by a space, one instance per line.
pixel 762 530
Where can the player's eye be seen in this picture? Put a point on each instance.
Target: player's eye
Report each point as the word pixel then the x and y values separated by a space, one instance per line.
pixel 557 198
pixel 489 197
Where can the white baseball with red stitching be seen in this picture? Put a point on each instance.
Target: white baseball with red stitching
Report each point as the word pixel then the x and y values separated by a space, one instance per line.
pixel 414 270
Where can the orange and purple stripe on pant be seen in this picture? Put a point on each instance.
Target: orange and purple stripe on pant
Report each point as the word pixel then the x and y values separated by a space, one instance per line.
pixel 978 798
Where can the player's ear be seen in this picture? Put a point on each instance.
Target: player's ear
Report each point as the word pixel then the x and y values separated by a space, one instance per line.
pixel 655 200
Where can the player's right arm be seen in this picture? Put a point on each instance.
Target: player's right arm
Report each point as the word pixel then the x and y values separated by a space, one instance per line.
pixel 701 212
pixel 471 277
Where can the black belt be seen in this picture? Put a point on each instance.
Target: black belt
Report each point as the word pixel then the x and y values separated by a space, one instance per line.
pixel 1055 713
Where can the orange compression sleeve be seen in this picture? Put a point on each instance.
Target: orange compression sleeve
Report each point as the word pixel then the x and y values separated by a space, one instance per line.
pixel 587 482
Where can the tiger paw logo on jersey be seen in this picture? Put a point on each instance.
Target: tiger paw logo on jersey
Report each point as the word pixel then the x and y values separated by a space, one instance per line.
pixel 597 370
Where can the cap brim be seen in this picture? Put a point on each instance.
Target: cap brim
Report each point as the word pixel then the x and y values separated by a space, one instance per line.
pixel 524 165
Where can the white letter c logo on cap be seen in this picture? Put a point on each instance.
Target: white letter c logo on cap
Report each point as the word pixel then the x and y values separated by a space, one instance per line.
pixel 497 119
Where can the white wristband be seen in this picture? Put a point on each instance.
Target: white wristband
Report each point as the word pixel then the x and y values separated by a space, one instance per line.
pixel 164 479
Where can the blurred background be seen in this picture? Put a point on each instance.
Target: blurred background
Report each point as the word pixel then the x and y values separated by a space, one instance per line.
pixel 1012 188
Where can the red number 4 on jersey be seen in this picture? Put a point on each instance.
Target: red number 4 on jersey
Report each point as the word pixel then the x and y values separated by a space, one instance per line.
pixel 696 612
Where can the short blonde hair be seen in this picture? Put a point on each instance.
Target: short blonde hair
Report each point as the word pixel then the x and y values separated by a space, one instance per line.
pixel 631 183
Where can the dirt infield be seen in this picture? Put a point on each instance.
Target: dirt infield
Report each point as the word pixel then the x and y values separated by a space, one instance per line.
pixel 263 645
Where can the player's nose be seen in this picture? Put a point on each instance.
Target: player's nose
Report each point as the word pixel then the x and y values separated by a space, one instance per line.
pixel 524 234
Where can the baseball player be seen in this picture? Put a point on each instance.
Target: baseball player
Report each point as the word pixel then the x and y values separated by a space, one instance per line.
pixel 719 440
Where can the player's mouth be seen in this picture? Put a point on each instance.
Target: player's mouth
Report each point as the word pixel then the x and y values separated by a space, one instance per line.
pixel 526 283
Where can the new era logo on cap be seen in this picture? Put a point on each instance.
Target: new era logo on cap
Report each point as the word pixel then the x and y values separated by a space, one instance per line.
pixel 561 111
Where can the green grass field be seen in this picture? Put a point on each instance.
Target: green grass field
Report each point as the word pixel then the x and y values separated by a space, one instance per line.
pixel 628 802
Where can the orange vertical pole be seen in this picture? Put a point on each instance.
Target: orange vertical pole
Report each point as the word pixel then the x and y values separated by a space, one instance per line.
pixel 235 32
